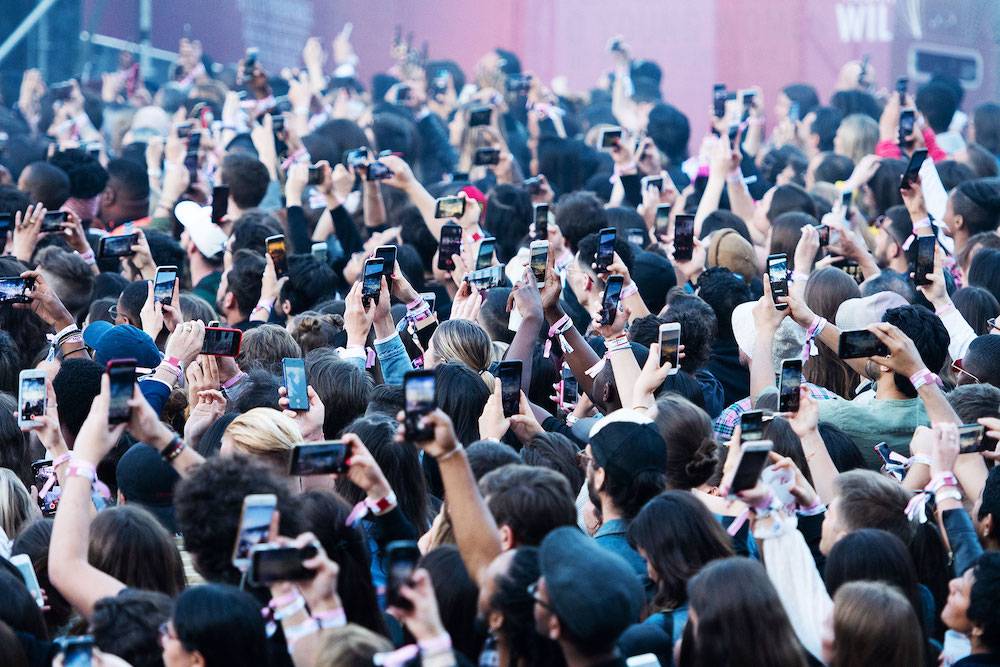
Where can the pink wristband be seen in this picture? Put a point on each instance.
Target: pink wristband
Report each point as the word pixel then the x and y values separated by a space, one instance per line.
pixel 924 376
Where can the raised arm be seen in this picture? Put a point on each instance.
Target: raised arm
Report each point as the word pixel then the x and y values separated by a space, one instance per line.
pixel 403 178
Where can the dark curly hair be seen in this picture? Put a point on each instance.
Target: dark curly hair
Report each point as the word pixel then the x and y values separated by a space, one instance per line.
pixel 928 334
pixel 579 214
pixel 698 327
pixel 691 448
pixel 209 504
pixel 983 609
pixel 723 290
pixel 128 625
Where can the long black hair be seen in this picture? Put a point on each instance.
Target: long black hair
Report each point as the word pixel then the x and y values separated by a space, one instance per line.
pixel 222 623
pixel 511 598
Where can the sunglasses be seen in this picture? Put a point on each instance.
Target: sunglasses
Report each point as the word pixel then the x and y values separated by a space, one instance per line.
pixel 957 367
pixel 533 592
pixel 992 324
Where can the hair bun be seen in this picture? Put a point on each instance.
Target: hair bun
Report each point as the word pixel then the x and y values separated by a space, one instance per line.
pixel 704 460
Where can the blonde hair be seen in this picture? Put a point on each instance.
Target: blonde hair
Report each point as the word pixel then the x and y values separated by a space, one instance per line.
pixel 266 434
pixel 350 646
pixel 859 136
pixel 462 341
pixel 16 506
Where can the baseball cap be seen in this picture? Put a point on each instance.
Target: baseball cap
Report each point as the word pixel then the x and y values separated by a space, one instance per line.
pixel 122 341
pixel 626 443
pixel 859 313
pixel 592 590
pixel 145 479
pixel 730 250
pixel 197 221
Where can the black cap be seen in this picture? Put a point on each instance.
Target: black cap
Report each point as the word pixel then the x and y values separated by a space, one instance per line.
pixel 593 591
pixel 626 443
pixel 146 480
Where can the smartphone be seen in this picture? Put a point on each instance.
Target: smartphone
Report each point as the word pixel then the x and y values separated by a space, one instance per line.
pixel 777 276
pixel 76 651
pixel 449 244
pixel 913 168
pixel 319 458
pixel 486 156
pixel 902 84
pixel 294 379
pixel 636 237
pixel 222 342
pixel 670 345
pixel 794 113
pixel 184 129
pixel 970 438
pixel 449 207
pixel 652 181
pixel 255 523
pixel 15 289
pixel 540 216
pixel 788 386
pixel 605 255
pixel 357 157
pixel 419 393
pixel 860 344
pixel 276 249
pixel 6 222
pixel 31 397
pixel 401 559
pixel 643 660
pixel 510 386
pixel 315 175
pixel 116 246
pixel 53 220
pixel 684 238
pixel 191 158
pixel 612 298
pixel 220 203
pixel 320 251
pixel 484 256
pixel 662 222
pixel 533 185
pixel 884 452
pixel 270 563
pixel 278 128
pixel 480 115
pixel 610 138
pixel 121 376
pixel 824 234
pixel 371 281
pixel 752 426
pixel 924 263
pixel 753 460
pixel 907 122
pixel 378 171
pixel 250 60
pixel 387 253
pixel 163 285
pixel 719 100
pixel 569 388
pixel 539 257
pixel 23 564
pixel 487 278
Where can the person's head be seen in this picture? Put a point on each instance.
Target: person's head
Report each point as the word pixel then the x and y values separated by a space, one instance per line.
pixel 831 168
pixel 726 620
pixel 11 649
pixel 350 645
pixel 984 271
pixel 457 598
pixel 68 275
pixel 889 637
pixel 856 137
pixel 126 195
pixel 977 305
pixel 265 346
pixel 400 463
pixel 972 247
pixel 690 446
pixel 527 503
pixel 973 207
pixel 507 219
pixel 33 541
pixel 801 94
pixel 677 535
pixel 16 505
pixel 45 184
pixel 128 543
pixel 928 334
pixel 581 276
pixel 264 435
pixel 461 393
pixel 586 619
pixel 343 388
pixel 259 389
pixel 938 103
pixel 309 283
pixel 859 102
pixel 76 384
pixel 627 459
pixel 209 504
pixel 865 499
pixel 823 129
pixel 485 456
pixel 982 162
pixel 889 250
pixel 386 399
pixel 577 215
pixel 721 219
pixel 972 609
pixel 786 230
pixel 670 130
pixel 954 173
pixel 247 179
pixel 784 164
pixel 981 363
pixel 215 625
pixel 311 330
pixel 459 341
pixel 252 230
pixel 87 177
pixel 239 290
pixel 985 127
pixel 128 625
pixel 19 609
pixel 393 132
pixel 556 452
pixel 787 198
pixel 723 290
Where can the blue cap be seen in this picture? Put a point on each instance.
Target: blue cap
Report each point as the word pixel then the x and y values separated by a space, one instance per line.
pixel 122 341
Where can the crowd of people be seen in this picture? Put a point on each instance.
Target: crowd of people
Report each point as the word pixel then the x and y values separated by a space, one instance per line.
pixel 480 276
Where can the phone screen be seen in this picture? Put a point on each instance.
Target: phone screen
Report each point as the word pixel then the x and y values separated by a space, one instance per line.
pixel 53 221
pixel 510 387
pixel 378 171
pixel 670 342
pixel 23 564
pixel 319 458
pixel 605 249
pixel 752 462
pixel 860 344
pixel 294 371
pixel 653 182
pixel 486 156
pixel 925 260
pixel 484 258
pixel 913 167
pixel 14 290
pixel 684 238
pixel 418 387
pixel 777 275
pixel 117 246
pixel 970 438
pixel 824 235
pixel 719 100
pixel 612 297
pixel 662 218
pixel 32 398
pixel 907 121
pixel 752 426
pixel 77 651
pixel 449 207
pixel 541 219
pixel 276 249
pixel 122 380
pixel 539 260
pixel 221 342
pixel 401 561
pixel 371 285
pixel 220 203
pixel 788 389
pixel 163 288
pixel 272 564
pixel 450 244
pixel 255 523
pixel 387 253
pixel 486 278
pixel 570 387
pixel 480 116
pixel 611 137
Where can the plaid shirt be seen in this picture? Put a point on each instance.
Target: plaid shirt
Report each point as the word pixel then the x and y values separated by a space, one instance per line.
pixel 726 422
